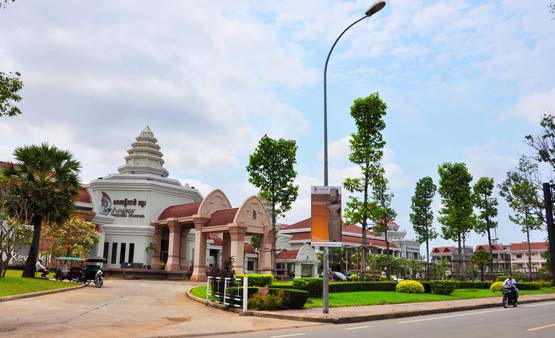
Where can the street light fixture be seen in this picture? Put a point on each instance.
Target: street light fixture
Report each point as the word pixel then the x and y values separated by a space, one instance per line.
pixel 373 9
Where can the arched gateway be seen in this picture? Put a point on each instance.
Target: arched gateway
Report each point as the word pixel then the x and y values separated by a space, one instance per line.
pixel 214 215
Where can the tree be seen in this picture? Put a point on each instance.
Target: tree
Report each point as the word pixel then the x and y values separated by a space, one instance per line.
pixel 271 169
pixel 456 214
pixel 47 182
pixel 10 85
pixel 366 151
pixel 487 206
pixel 544 144
pixel 383 214
pixel 12 233
pixel 73 238
pixel 422 216
pixel 481 258
pixel 524 199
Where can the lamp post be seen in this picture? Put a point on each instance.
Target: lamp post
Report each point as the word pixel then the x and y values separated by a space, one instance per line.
pixel 373 9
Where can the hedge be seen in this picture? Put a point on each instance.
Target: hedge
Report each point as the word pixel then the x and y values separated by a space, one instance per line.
pixel 293 299
pixel 314 286
pixel 256 279
pixel 443 287
pixel 473 285
pixel 361 286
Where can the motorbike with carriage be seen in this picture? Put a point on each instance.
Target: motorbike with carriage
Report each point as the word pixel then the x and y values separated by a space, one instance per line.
pixel 81 270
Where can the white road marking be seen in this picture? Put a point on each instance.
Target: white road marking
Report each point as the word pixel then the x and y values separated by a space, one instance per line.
pixel 289 335
pixel 357 327
pixel 451 316
pixel 541 327
pixel 542 304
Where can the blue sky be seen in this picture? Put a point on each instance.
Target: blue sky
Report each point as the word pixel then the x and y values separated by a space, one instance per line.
pixel 464 82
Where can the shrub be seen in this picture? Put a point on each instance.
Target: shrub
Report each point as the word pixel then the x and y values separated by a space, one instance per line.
pixel 272 301
pixel 501 278
pixel 256 279
pixel 497 286
pixel 443 287
pixel 427 286
pixel 529 285
pixel 353 278
pixel 314 286
pixel 409 286
pixel 292 299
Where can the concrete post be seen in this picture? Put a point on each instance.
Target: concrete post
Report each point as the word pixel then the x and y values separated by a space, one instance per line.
pixel 237 234
pixel 157 243
pixel 183 262
pixel 199 269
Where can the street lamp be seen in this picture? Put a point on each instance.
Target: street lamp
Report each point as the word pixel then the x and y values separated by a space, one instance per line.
pixel 373 9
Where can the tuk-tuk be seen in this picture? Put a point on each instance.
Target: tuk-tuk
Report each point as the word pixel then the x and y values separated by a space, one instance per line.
pixel 93 271
pixel 66 268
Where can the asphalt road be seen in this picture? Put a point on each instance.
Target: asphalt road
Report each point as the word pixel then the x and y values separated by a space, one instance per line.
pixel 533 320
pixel 124 308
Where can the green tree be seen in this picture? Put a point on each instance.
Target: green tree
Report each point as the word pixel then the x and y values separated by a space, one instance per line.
pixel 73 238
pixel 544 144
pixel 486 203
pixel 383 214
pixel 48 182
pixel 271 169
pixel 481 258
pixel 366 152
pixel 10 85
pixel 524 199
pixel 422 216
pixel 456 214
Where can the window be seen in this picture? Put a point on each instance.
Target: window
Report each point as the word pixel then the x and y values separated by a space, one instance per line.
pixel 518 256
pixel 250 265
pixel 122 253
pixel 114 252
pixel 131 252
pixel 106 248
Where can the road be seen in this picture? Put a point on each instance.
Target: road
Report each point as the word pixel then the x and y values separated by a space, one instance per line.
pixel 532 320
pixel 124 308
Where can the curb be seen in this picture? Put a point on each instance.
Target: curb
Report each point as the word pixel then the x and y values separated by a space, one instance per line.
pixel 358 319
pixel 40 293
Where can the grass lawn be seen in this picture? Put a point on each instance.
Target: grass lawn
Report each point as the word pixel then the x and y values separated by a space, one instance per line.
pixel 13 284
pixel 390 297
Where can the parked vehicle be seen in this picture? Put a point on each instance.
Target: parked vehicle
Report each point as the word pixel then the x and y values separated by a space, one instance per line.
pixel 69 268
pixel 510 297
pixel 93 272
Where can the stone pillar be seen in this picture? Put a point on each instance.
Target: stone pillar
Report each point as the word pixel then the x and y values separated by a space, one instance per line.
pixel 298 270
pixel 157 243
pixel 265 254
pixel 315 270
pixel 199 269
pixel 174 245
pixel 226 247
pixel 183 262
pixel 237 234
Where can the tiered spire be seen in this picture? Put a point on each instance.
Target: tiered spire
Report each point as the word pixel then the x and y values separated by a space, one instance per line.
pixel 144 156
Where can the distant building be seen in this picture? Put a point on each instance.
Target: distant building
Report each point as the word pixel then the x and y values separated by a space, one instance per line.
pixel 501 257
pixel 450 253
pixel 519 256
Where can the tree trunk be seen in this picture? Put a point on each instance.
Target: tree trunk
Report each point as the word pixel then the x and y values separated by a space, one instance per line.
pixel 490 250
pixel 364 259
pixel 29 269
pixel 388 271
pixel 427 259
pixel 274 235
pixel 482 272
pixel 529 254
pixel 464 255
pixel 459 263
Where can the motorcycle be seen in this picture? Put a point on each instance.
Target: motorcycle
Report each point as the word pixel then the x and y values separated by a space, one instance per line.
pixel 510 297
pixel 99 278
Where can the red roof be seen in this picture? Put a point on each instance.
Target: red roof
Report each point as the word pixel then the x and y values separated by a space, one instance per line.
pixel 485 247
pixel 524 246
pixel 305 223
pixel 288 254
pixel 249 249
pixel 216 240
pixel 380 243
pixel 443 249
pixel 180 210
pixel 84 196
pixel 222 217
pixel 301 236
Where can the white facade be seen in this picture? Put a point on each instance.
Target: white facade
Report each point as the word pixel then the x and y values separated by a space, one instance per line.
pixel 125 203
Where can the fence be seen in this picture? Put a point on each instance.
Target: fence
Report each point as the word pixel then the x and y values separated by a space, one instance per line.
pixel 230 291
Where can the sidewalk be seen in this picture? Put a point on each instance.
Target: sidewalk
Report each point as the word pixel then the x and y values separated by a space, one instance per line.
pixel 354 314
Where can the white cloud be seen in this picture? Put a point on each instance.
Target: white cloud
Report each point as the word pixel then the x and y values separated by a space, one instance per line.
pixel 201 186
pixel 485 160
pixel 533 106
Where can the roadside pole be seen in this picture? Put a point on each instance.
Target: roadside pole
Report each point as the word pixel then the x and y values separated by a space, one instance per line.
pixel 325 291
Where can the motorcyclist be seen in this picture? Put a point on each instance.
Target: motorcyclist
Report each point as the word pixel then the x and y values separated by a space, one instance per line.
pixel 510 283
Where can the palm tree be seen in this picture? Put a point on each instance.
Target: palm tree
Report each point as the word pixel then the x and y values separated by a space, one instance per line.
pixel 481 258
pixel 47 181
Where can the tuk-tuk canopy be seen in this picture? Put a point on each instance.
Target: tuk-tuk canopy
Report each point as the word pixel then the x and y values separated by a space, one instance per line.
pixel 77 259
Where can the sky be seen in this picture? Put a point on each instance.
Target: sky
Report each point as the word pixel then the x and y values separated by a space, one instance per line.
pixel 464 81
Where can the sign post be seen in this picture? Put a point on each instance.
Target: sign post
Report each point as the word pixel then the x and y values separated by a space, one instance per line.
pixel 326 228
